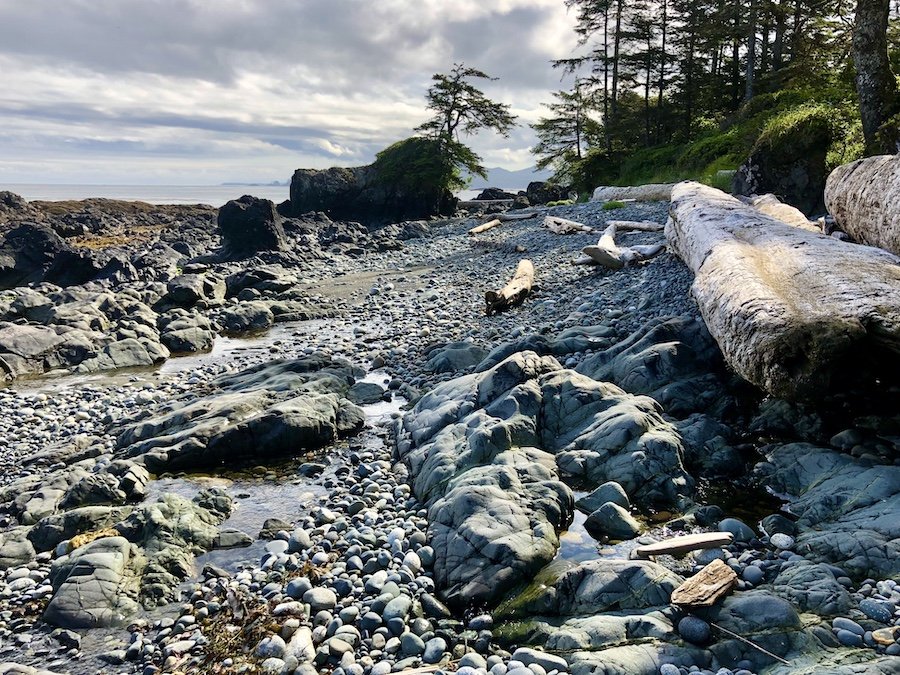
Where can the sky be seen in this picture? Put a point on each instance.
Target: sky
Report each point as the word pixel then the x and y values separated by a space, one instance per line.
pixel 195 92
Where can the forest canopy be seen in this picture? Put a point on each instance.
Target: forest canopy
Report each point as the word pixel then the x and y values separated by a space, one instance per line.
pixel 674 89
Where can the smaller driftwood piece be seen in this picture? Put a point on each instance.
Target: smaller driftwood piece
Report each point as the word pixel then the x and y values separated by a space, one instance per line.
pixel 638 225
pixel 564 226
pixel 685 544
pixel 707 587
pixel 607 254
pixel 518 288
pixel 484 227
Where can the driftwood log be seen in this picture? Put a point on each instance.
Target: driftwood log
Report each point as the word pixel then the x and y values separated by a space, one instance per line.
pixel 864 198
pixel 796 313
pixel 772 206
pixel 518 288
pixel 564 226
pixel 484 227
pixel 653 192
pixel 607 254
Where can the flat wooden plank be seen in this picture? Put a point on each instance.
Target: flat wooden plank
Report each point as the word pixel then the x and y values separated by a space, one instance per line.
pixel 685 544
pixel 707 587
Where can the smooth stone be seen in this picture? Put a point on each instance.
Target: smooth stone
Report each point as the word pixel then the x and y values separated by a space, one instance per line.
pixel 782 541
pixel 877 610
pixel 848 639
pixel 741 531
pixel 694 629
pixel 434 650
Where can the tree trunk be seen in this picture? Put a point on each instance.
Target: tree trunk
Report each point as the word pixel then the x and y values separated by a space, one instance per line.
pixel 607 126
pixel 778 43
pixel 751 53
pixel 864 198
pixel 799 314
pixel 662 74
pixel 875 83
pixel 617 42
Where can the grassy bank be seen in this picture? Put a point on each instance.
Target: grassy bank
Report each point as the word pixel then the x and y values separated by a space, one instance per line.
pixel 783 122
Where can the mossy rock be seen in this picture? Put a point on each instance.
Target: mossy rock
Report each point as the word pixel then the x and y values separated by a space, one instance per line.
pixel 791 157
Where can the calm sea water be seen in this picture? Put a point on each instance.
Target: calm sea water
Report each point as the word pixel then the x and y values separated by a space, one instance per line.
pixel 216 195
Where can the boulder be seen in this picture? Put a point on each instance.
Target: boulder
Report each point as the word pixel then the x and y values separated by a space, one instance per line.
pixel 33 252
pixel 599 433
pixel 485 450
pixel 493 194
pixel 813 588
pixel 96 585
pixel 454 357
pixel 540 192
pixel 366 195
pixel 598 587
pixel 846 507
pixel 268 410
pixel 33 350
pixel 495 505
pixel 674 360
pixel 189 289
pixel 249 225
pixel 790 163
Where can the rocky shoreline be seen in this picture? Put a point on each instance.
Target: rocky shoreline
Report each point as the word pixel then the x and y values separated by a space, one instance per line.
pixel 412 466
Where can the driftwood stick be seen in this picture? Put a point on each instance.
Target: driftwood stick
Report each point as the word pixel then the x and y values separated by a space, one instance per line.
pixel 637 225
pixel 749 642
pixel 484 227
pixel 514 292
pixel 507 217
pixel 685 544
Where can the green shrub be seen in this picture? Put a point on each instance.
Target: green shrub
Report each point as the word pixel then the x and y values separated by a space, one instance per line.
pixel 417 165
pixel 612 205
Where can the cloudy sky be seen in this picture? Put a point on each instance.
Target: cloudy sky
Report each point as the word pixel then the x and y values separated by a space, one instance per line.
pixel 206 91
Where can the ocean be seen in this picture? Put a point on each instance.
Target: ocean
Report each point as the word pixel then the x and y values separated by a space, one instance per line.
pixel 216 195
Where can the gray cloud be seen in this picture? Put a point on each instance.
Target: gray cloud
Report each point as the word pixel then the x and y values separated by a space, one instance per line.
pixel 232 82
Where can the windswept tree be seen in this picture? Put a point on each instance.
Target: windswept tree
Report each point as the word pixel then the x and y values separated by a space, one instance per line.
pixel 461 108
pixel 565 135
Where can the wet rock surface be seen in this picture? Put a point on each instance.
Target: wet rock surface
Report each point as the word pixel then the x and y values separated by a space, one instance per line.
pixel 410 482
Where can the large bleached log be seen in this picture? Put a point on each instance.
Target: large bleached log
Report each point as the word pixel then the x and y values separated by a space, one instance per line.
pixel 653 192
pixel 514 292
pixel 864 198
pixel 794 312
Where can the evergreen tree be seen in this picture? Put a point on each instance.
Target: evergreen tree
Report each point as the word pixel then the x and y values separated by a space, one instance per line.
pixel 461 108
pixel 564 136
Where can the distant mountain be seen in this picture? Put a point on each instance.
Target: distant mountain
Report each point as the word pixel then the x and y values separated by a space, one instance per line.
pixel 274 183
pixel 509 180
